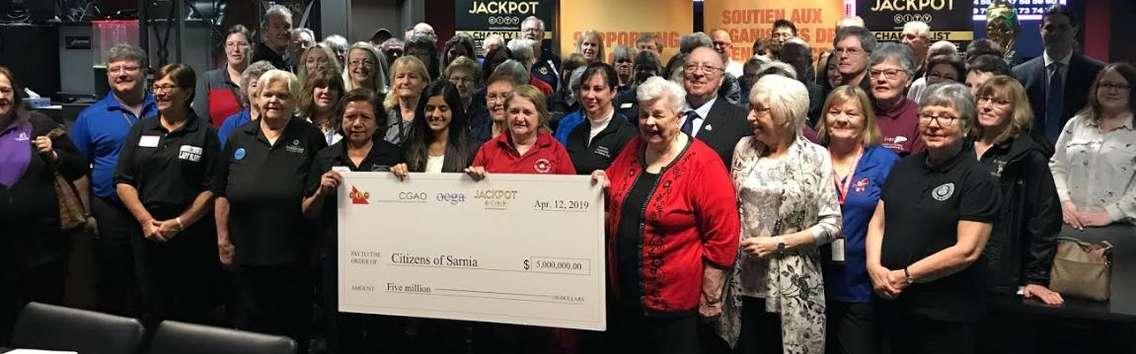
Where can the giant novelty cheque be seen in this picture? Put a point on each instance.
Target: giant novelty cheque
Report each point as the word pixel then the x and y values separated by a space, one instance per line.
pixel 518 249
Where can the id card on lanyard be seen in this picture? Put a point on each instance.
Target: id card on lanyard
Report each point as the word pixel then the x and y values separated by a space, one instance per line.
pixel 842 188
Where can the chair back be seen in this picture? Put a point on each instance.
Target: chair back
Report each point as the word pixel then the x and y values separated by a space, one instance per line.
pixel 184 338
pixel 50 327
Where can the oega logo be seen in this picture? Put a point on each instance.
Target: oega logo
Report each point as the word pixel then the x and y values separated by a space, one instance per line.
pixel 358 197
pixel 413 196
pixel 452 198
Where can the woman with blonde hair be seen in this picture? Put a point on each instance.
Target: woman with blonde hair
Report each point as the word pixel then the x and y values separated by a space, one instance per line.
pixel 591 46
pixel 860 167
pixel 317 57
pixel 363 69
pixel 408 77
pixel 1022 243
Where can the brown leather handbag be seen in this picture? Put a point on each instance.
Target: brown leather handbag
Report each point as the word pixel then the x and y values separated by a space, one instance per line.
pixel 73 213
pixel 1082 269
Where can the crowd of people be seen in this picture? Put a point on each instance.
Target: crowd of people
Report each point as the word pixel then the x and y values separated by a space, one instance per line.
pixel 868 200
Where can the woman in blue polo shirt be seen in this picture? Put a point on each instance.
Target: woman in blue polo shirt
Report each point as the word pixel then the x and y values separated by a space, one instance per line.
pixel 860 167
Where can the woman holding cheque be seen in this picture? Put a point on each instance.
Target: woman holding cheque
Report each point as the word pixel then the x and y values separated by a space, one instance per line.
pixel 672 226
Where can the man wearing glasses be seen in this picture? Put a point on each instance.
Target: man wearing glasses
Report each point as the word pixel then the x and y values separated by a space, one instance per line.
pixel 99 133
pixel 723 45
pixel 852 47
pixel 716 122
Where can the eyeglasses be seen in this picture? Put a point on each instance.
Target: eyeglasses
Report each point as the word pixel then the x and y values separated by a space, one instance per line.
pixel 941 76
pixel 1112 86
pixel 123 68
pixel 943 120
pixel 890 74
pixel 493 97
pixel 760 110
pixel 694 68
pixel 163 88
pixel 849 51
pixel 993 100
pixel 366 62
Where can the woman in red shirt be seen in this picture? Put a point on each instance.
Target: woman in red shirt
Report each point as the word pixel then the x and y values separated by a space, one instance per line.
pixel 527 147
pixel 672 227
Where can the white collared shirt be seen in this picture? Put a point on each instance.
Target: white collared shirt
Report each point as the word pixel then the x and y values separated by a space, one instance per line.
pixel 702 112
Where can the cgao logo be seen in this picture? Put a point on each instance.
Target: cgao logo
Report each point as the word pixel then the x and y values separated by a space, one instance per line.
pixel 359 197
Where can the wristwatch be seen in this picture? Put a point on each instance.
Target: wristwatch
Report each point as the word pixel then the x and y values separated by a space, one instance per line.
pixel 907 277
pixel 780 246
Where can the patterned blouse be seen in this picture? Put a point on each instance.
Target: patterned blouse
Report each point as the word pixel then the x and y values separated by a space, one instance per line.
pixel 1095 170
pixel 778 197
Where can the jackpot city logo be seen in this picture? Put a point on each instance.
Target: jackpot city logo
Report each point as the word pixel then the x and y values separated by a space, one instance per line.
pixel 359 197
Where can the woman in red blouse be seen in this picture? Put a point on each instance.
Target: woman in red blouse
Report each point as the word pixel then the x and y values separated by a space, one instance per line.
pixel 672 226
pixel 528 147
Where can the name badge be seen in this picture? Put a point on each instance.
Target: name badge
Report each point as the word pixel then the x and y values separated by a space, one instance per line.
pixel 149 141
pixel 190 153
pixel 625 105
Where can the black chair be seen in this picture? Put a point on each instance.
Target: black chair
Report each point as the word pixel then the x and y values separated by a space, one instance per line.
pixel 50 327
pixel 184 338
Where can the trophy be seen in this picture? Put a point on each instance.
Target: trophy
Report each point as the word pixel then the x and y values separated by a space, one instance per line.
pixel 1002 26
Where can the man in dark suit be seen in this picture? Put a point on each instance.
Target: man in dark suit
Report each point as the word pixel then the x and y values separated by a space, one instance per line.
pixel 707 117
pixel 1058 81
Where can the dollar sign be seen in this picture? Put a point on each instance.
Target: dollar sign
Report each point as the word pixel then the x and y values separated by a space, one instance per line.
pixel 526 264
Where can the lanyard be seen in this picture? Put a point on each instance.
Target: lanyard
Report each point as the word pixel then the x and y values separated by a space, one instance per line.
pixel 842 188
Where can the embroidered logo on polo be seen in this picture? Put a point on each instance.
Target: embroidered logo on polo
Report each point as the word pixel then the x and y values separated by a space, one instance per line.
pixel 23 137
pixel 861 185
pixel 603 151
pixel 543 166
pixel 295 147
pixel 943 192
pixel 190 153
pixel 999 166
pixel 543 70
pixel 239 154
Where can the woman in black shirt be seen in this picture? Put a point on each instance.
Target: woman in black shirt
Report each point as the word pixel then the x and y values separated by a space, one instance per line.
pixel 926 237
pixel 261 230
pixel 360 150
pixel 33 247
pixel 439 138
pixel 164 178
pixel 595 142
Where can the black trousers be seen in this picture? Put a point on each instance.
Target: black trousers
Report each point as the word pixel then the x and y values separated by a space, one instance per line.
pixel 42 283
pixel 761 331
pixel 635 333
pixel 907 334
pixel 176 277
pixel 116 291
pixel 275 300
pixel 852 328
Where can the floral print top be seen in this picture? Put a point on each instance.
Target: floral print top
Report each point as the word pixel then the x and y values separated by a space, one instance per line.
pixel 777 197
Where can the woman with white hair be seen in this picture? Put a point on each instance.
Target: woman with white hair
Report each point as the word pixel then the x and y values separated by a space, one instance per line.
pixel 261 231
pixel 891 71
pixel 523 51
pixel 775 298
pixel 926 238
pixel 672 228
